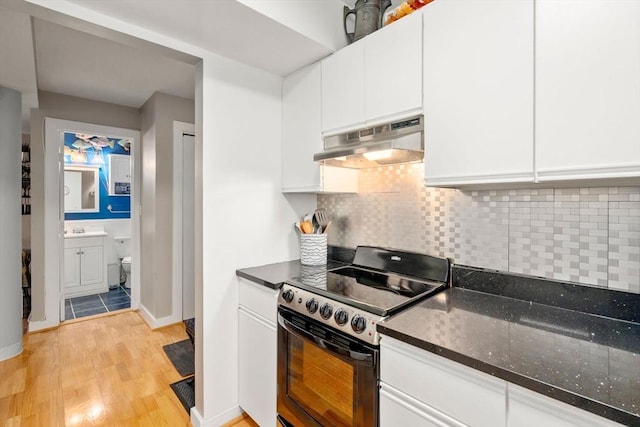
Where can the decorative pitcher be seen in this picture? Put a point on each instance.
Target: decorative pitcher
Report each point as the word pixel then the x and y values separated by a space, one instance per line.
pixel 368 17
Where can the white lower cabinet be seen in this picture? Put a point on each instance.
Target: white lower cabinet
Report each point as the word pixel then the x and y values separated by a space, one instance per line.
pixel 257 352
pixel 85 266
pixel 421 389
pixel 448 392
pixel 530 409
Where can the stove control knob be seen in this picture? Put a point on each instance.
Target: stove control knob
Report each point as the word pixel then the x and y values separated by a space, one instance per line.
pixel 326 311
pixel 358 324
pixel 287 295
pixel 341 317
pixel 312 306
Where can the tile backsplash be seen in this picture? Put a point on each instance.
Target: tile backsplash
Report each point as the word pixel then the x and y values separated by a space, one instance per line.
pixel 589 235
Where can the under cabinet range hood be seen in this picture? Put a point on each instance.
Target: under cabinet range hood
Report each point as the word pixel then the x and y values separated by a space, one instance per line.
pixel 389 143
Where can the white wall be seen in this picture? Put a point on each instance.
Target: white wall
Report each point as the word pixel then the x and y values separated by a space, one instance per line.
pixel 158 114
pixel 246 221
pixel 10 233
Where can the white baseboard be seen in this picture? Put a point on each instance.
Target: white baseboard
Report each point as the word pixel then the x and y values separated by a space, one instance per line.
pixel 11 350
pixel 198 421
pixel 41 325
pixel 154 323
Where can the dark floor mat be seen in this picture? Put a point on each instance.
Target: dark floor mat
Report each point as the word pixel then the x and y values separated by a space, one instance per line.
pixel 185 390
pixel 181 355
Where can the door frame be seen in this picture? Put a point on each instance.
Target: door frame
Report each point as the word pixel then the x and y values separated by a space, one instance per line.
pixel 179 129
pixel 54 213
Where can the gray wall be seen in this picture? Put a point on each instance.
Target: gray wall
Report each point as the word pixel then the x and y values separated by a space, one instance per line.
pixel 64 107
pixel 10 229
pixel 588 235
pixel 156 222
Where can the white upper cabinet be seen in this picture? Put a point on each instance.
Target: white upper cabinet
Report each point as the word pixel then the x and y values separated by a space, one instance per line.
pixel 343 88
pixel 587 89
pixel 301 133
pixel 375 79
pixel 302 138
pixel 393 70
pixel 478 92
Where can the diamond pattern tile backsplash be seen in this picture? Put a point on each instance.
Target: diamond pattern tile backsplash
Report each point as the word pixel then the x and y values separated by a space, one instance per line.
pixel 589 235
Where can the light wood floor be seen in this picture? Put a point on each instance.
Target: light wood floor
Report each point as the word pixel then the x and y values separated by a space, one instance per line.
pixel 108 371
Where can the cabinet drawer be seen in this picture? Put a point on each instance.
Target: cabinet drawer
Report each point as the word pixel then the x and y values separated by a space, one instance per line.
pixel 259 299
pixel 399 409
pixel 463 393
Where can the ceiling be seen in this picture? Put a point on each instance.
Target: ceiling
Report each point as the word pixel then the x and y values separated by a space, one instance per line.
pixel 80 64
pixel 96 63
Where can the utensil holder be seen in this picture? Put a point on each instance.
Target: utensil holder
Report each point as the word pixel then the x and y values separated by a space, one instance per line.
pixel 313 249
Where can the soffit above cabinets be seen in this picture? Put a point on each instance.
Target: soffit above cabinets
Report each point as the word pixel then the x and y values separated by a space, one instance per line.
pixel 279 37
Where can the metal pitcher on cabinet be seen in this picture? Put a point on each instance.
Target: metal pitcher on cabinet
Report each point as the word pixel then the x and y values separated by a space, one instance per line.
pixel 368 15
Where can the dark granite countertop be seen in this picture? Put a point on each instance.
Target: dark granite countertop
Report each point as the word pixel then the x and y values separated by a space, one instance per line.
pixel 588 360
pixel 273 275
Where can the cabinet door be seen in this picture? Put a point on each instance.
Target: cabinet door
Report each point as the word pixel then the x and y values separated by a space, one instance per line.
pixel 343 89
pixel 91 265
pixel 587 89
pixel 301 129
pixel 257 342
pixel 530 409
pixel 71 267
pixel 393 70
pixel 478 91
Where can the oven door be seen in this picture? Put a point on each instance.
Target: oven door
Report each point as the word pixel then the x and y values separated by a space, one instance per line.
pixel 325 378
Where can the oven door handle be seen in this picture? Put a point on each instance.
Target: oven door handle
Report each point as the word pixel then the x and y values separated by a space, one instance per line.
pixel 336 350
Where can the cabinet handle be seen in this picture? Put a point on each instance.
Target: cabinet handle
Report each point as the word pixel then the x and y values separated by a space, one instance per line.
pixel 78 253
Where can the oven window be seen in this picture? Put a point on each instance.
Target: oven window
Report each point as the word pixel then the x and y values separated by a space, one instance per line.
pixel 320 383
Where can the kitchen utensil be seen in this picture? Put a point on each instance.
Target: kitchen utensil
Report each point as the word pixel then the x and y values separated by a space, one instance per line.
pixel 296 225
pixel 326 228
pixel 368 17
pixel 321 218
pixel 306 227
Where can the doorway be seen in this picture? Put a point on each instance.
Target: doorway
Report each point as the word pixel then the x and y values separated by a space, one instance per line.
pixel 90 226
pixel 183 223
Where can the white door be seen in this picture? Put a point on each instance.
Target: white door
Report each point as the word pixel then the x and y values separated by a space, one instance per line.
pixel 188 181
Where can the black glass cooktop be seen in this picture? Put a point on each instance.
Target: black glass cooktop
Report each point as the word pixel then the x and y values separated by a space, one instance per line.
pixel 379 293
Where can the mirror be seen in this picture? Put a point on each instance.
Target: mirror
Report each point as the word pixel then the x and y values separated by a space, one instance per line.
pixel 80 189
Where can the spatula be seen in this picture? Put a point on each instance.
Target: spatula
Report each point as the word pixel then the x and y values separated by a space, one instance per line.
pixel 322 219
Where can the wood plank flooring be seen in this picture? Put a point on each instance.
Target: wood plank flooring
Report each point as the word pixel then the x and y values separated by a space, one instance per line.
pixel 108 371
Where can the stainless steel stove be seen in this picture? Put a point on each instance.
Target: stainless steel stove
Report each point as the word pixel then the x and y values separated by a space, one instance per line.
pixel 328 346
pixel 379 283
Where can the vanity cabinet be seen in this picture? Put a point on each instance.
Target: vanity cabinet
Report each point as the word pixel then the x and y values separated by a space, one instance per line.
pixel 428 390
pixel 375 79
pixel 302 138
pixel 85 266
pixel 478 92
pixel 257 351
pixel 587 89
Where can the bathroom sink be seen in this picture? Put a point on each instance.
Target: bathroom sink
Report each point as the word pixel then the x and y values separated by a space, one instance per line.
pixel 73 235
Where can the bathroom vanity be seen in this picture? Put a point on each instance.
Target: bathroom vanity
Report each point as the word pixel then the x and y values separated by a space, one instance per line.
pixel 85 264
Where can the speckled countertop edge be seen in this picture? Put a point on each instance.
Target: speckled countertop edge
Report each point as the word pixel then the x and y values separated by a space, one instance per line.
pixel 549 390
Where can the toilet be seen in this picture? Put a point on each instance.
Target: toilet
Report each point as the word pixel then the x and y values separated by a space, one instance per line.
pixel 123 250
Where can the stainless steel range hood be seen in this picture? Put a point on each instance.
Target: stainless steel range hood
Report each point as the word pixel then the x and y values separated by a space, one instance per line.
pixel 390 143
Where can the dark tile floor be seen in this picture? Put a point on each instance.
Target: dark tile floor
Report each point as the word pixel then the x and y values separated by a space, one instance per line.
pixel 115 299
